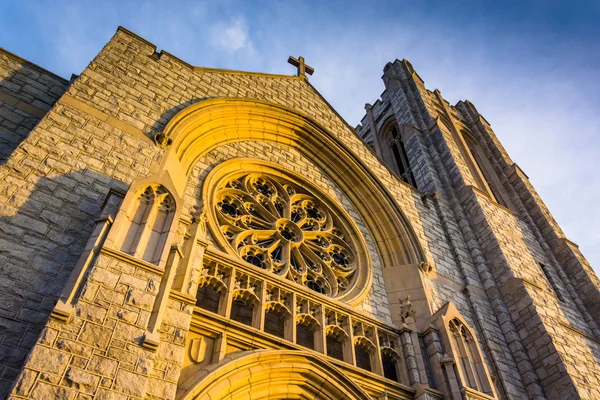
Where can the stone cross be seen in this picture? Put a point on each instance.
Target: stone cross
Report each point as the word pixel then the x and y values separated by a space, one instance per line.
pixel 299 63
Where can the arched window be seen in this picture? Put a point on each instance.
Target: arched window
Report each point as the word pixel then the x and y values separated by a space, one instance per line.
pixel 147 225
pixel 389 366
pixel 305 336
pixel 275 323
pixel 208 299
pixel 242 311
pixel 468 359
pixel 335 348
pixel 394 153
pixel 363 358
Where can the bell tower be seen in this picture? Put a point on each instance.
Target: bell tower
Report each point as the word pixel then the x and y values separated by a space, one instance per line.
pixel 526 289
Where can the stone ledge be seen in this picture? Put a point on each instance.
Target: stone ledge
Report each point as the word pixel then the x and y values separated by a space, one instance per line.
pixel 578 331
pixel 132 260
pixel 117 123
pixel 183 297
pixel 21 105
pixel 517 170
pixel 492 201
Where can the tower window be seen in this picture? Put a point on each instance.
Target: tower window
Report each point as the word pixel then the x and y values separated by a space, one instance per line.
pixel 394 153
pixel 552 282
pixel 487 172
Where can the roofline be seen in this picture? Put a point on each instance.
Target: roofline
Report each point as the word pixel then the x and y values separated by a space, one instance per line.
pixel 202 69
pixel 32 64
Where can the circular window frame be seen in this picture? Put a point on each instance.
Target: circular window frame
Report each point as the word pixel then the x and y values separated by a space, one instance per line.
pixel 234 168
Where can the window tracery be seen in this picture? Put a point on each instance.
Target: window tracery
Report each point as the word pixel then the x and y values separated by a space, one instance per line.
pixel 147 224
pixel 468 358
pixel 282 226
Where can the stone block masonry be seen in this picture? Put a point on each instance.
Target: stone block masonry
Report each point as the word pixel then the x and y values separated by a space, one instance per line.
pixel 69 149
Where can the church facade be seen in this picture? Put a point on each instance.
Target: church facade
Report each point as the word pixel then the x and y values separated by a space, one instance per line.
pixel 176 232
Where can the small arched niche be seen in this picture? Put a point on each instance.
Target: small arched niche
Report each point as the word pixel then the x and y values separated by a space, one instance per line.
pixel 464 366
pixel 146 223
pixel 468 358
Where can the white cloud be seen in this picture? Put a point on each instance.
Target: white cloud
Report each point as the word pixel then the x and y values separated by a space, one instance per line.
pixel 231 35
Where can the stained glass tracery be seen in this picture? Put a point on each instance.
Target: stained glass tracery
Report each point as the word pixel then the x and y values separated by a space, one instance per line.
pixel 282 227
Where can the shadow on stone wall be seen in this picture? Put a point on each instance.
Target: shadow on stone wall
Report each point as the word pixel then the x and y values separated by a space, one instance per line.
pixel 25 92
pixel 40 242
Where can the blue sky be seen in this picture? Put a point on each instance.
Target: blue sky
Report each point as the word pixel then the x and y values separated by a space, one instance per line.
pixel 531 68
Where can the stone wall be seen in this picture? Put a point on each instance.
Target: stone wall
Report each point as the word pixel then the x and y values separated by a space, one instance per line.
pixel 498 252
pixel 65 154
pixel 29 228
pixel 95 139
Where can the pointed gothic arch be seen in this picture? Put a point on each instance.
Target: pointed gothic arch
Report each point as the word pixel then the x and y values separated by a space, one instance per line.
pixel 463 365
pixel 199 128
pixel 271 374
pixel 147 219
pixel 393 151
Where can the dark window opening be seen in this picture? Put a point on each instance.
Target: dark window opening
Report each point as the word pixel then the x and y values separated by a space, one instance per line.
pixel 241 312
pixel 399 161
pixel 550 279
pixel 305 337
pixel 427 365
pixel 208 299
pixel 363 359
pixel 335 348
pixel 401 158
pixel 485 174
pixel 389 367
pixel 274 324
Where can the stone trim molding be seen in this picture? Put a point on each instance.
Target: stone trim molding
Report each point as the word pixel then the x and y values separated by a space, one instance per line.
pixel 112 121
pixel 64 307
pixel 21 105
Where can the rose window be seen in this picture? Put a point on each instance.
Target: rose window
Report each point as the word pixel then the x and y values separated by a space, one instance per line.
pixel 280 226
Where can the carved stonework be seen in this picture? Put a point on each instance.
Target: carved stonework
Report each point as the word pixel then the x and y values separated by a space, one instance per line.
pixel 282 226
pixel 407 310
pixel 426 267
pixel 162 140
pixel 198 349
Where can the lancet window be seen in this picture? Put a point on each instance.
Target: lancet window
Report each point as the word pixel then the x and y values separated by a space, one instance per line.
pixel 394 153
pixel 147 225
pixel 212 287
pixel 487 171
pixel 278 304
pixel 246 300
pixel 468 358
pixel 364 347
pixel 391 359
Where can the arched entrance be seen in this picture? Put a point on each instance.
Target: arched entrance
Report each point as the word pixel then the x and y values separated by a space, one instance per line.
pixel 271 375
